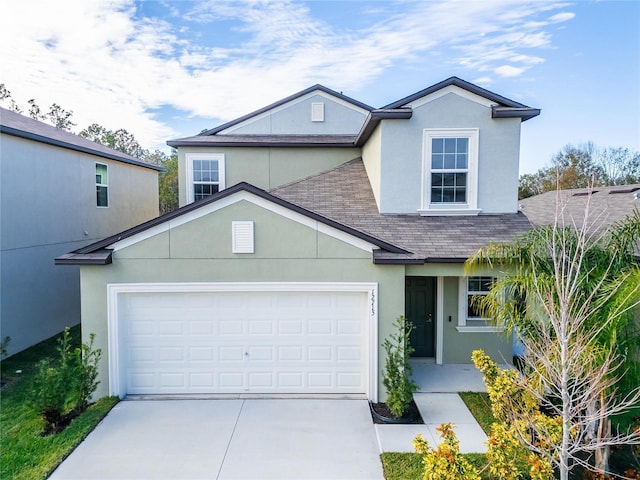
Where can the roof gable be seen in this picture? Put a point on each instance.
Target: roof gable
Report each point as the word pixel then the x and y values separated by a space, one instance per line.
pixel 12 123
pixel 501 106
pixel 296 97
pixel 99 253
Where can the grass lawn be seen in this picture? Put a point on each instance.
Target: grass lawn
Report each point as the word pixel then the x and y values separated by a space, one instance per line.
pixel 408 466
pixel 24 453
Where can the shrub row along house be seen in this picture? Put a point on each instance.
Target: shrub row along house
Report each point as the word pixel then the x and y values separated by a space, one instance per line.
pixel 58 192
pixel 305 229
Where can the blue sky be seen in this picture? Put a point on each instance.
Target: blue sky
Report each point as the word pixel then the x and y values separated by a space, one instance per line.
pixel 168 69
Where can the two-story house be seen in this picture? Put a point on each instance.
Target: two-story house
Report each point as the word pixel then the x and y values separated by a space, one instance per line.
pixel 58 192
pixel 305 229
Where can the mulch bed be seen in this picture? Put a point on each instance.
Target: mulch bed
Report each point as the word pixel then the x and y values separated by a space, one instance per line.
pixel 412 415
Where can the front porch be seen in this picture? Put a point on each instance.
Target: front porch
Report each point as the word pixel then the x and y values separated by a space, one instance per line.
pixel 448 378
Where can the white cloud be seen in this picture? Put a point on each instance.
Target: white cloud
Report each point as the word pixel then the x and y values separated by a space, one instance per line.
pixel 110 65
pixel 509 71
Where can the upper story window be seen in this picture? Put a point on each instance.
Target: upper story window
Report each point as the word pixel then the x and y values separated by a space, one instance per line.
pixel 102 185
pixel 470 318
pixel 450 172
pixel 205 175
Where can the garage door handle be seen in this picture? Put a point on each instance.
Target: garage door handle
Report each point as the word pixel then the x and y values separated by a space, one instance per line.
pixel 246 354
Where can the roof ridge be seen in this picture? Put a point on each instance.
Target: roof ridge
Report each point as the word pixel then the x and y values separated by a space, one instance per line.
pixel 315 175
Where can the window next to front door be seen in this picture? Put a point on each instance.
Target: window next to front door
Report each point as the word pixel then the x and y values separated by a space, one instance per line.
pixel 450 172
pixel 205 175
pixel 102 185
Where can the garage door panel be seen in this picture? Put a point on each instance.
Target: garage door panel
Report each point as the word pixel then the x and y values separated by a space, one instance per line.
pixel 245 342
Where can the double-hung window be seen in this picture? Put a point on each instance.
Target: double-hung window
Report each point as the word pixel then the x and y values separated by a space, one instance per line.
pixel 205 175
pixel 450 165
pixel 470 317
pixel 102 185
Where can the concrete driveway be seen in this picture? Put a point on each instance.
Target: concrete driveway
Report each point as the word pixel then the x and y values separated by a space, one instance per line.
pixel 229 439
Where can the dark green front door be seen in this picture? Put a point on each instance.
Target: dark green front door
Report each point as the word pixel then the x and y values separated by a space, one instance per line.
pixel 420 310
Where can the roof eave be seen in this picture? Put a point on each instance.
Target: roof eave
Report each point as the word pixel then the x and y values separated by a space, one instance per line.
pixel 199 143
pixel 306 91
pixel 59 143
pixel 525 113
pixel 101 257
pixel 376 116
pixel 458 82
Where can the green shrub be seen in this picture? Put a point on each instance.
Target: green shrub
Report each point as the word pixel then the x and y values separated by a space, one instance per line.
pixel 397 370
pixel 63 387
pixel 444 461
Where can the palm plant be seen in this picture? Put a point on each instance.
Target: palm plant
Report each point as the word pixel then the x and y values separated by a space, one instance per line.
pixel 571 292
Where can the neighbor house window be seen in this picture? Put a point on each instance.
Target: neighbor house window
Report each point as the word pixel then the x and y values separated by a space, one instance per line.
pixel 205 174
pixel 470 317
pixel 102 185
pixel 450 171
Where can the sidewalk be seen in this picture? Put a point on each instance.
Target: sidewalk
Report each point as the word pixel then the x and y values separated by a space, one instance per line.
pixel 435 408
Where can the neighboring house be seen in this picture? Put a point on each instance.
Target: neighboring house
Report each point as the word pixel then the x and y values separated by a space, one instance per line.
pixel 58 192
pixel 305 229
pixel 605 206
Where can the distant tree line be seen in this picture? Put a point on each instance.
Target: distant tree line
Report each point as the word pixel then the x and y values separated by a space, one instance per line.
pixel 582 166
pixel 120 140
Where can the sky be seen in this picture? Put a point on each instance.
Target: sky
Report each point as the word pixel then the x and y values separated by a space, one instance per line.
pixel 168 69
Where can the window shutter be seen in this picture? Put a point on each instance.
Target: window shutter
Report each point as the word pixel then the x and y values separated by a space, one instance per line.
pixel 317 112
pixel 242 237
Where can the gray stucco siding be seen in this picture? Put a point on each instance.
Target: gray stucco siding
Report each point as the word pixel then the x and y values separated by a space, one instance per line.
pixel 402 154
pixel 295 119
pixel 266 167
pixel 48 202
pixel 286 251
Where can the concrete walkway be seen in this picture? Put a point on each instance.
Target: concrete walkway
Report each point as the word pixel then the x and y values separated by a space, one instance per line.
pixel 257 439
pixel 435 408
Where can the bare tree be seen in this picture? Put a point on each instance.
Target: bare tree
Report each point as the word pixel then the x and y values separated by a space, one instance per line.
pixel 581 289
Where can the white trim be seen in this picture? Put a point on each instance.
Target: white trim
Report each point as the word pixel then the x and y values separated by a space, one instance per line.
pixel 190 157
pixel 447 90
pixel 488 329
pixel 288 104
pixel 471 205
pixel 254 199
pixel 117 382
pixel 106 166
pixel 462 326
pixel 439 319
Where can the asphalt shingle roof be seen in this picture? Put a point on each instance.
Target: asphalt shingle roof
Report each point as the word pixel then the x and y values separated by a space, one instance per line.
pixel 344 195
pixel 12 123
pixel 607 205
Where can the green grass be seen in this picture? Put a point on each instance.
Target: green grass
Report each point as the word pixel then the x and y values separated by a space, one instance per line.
pixel 408 466
pixel 479 405
pixel 24 453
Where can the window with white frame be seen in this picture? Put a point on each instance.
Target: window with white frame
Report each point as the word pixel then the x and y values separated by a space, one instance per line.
pixel 470 291
pixel 102 185
pixel 450 167
pixel 205 175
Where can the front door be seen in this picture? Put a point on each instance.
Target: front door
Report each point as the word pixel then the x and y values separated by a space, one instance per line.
pixel 420 311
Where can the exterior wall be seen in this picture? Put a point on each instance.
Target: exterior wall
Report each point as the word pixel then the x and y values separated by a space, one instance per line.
pixel 267 168
pixel 371 152
pixel 402 154
pixel 200 251
pixel 294 118
pixel 48 201
pixel 457 346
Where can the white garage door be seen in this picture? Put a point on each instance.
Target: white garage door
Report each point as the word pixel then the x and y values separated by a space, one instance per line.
pixel 244 342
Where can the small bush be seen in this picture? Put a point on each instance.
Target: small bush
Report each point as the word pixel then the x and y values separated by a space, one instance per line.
pixel 63 387
pixel 444 461
pixel 397 370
